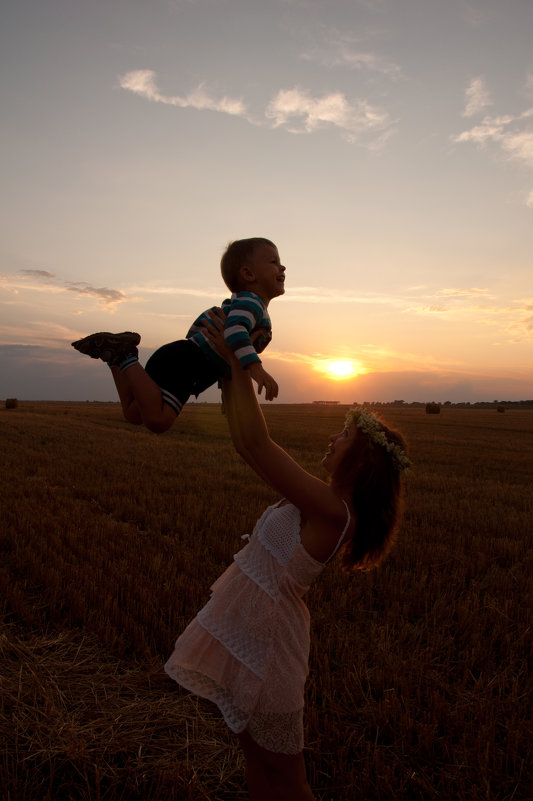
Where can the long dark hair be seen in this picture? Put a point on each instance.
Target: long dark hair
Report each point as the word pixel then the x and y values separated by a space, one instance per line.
pixel 374 476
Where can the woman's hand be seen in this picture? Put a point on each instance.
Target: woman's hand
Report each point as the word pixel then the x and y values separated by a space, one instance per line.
pixel 214 331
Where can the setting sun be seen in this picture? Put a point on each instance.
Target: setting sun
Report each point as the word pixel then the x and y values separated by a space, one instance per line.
pixel 339 369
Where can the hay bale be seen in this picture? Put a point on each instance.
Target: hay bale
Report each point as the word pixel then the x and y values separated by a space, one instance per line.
pixel 500 409
pixel 432 408
pixel 11 403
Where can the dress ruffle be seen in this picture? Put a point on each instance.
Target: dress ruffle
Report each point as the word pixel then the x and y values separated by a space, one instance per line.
pixel 247 649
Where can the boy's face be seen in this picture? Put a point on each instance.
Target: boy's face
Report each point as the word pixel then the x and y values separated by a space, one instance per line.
pixel 264 273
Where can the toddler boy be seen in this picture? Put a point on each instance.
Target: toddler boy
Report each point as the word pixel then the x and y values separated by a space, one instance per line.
pixel 155 395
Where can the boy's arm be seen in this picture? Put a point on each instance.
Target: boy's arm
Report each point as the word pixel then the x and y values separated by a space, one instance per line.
pixel 263 379
pixel 244 317
pixel 240 332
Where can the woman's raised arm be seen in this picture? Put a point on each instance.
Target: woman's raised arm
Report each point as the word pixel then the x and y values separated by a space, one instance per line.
pixel 270 461
pixel 253 442
pixel 235 427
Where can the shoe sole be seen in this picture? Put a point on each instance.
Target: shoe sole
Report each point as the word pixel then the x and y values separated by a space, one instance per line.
pixel 94 345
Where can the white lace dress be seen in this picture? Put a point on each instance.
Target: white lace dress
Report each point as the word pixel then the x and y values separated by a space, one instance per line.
pixel 247 650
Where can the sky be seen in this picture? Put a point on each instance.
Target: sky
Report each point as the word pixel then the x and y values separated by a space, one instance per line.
pixel 385 146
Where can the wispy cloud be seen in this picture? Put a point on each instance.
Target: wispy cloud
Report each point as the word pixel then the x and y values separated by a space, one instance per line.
pixel 369 358
pixel 37 273
pixel 512 134
pixel 402 300
pixel 451 300
pixel 108 297
pixel 521 326
pixel 213 293
pixel 142 82
pixel 319 294
pixel 345 50
pixel 47 333
pixel 452 305
pixel 477 98
pixel 464 292
pixel 512 320
pixel 452 295
pixel 45 281
pixel 296 109
pixel 300 112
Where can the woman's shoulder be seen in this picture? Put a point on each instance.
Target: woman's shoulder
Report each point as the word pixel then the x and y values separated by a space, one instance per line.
pixel 323 534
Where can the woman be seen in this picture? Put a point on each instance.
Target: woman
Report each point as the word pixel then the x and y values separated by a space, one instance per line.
pixel 247 649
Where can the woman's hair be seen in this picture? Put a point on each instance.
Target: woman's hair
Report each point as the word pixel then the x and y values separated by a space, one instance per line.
pixel 235 256
pixel 372 468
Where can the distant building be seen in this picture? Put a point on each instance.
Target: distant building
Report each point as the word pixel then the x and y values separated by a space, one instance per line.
pixel 327 403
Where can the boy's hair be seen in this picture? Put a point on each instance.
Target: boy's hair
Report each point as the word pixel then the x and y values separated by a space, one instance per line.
pixel 236 255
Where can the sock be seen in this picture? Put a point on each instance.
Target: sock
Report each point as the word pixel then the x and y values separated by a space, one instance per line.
pixel 128 360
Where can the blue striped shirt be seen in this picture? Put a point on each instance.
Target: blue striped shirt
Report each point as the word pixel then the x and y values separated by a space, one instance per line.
pixel 245 313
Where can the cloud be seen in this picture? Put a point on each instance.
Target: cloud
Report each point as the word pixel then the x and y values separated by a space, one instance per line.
pixel 300 112
pixel 441 385
pixel 448 307
pixel 109 297
pixel 479 15
pixel 318 294
pixel 368 358
pixel 423 298
pixel 46 332
pixel 296 110
pixel 511 133
pixel 342 50
pixel 37 273
pixel 521 325
pixel 477 98
pixel 142 82
pixel 507 132
pixel 464 292
pixel 212 293
pixel 32 372
pixel 45 281
pixel 510 320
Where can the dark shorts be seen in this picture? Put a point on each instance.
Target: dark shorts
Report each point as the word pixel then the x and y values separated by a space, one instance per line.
pixel 180 370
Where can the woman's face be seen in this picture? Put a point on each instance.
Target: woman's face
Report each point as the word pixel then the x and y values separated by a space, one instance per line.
pixel 339 445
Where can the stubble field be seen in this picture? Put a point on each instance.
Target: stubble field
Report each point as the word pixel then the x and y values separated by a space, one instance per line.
pixel 420 683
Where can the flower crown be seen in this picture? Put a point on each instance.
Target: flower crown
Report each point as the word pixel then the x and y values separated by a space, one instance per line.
pixel 372 427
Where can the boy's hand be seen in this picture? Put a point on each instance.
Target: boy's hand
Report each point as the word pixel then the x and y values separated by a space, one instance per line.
pixel 257 334
pixel 263 379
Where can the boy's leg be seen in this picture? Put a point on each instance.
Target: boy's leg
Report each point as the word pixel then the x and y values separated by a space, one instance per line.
pixel 126 396
pixel 140 396
pixel 141 399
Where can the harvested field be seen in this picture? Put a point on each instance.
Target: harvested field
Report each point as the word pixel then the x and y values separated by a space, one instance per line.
pixel 420 684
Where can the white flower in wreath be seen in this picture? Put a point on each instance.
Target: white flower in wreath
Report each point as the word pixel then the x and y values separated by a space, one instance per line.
pixel 371 426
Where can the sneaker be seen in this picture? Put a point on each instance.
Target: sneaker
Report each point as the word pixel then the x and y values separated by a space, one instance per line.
pixel 108 347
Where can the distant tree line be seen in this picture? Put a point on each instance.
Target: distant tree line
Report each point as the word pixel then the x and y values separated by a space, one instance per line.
pixel 495 404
